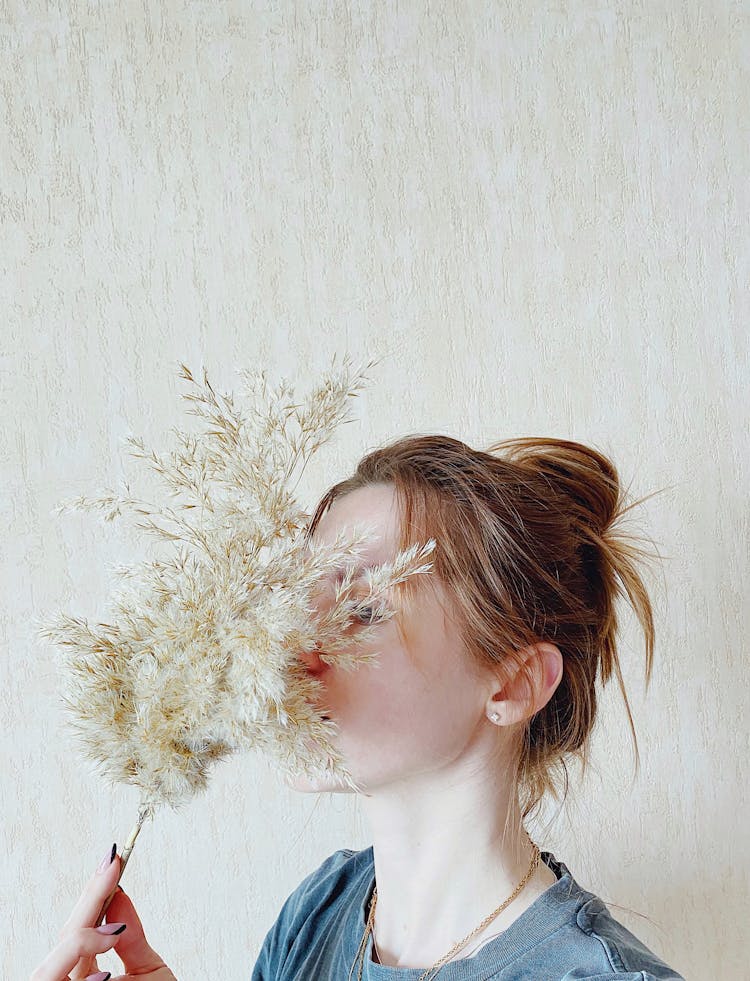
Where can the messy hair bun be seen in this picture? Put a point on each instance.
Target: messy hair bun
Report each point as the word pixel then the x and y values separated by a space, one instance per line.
pixel 530 548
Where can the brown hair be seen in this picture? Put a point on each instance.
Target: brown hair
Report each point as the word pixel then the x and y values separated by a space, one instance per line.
pixel 529 550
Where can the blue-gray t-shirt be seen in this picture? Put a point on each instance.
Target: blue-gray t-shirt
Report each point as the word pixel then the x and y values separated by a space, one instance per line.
pixel 567 933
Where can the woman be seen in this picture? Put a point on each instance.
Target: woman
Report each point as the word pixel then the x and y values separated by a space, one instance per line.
pixel 483 688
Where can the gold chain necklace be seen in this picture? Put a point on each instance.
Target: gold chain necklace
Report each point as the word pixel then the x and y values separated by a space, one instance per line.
pixel 428 974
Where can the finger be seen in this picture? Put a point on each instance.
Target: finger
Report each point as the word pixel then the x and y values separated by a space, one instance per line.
pixel 84 942
pixel 95 892
pixel 161 974
pixel 134 950
pixel 85 967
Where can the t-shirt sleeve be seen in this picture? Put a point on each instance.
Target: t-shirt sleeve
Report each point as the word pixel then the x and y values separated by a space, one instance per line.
pixel 298 905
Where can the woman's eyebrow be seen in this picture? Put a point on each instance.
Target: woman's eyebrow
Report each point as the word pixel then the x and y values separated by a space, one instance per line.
pixel 355 571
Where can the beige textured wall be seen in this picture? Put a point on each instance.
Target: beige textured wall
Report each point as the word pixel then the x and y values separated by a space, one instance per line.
pixel 539 212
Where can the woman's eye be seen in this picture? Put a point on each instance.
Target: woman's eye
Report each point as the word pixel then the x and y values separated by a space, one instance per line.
pixel 367 614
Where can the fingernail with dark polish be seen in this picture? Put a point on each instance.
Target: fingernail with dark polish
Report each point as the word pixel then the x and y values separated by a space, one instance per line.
pixel 99 976
pixel 108 859
pixel 111 929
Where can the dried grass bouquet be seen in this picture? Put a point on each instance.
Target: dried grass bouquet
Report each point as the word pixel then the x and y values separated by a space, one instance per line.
pixel 201 657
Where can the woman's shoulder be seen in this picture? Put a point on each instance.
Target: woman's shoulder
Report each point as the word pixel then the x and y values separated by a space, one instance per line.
pixel 628 955
pixel 314 919
pixel 589 933
pixel 344 863
pixel 340 872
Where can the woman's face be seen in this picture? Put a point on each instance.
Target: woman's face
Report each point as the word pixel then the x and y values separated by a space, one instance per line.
pixel 415 709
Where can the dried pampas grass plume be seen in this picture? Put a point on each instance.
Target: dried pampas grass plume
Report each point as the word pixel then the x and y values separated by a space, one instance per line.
pixel 200 658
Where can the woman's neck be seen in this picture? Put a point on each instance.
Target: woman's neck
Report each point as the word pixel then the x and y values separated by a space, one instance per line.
pixel 446 856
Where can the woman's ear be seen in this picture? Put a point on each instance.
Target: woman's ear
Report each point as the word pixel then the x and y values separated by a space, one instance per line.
pixel 530 686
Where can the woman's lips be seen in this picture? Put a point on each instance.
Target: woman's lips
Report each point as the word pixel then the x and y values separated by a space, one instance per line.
pixel 316 700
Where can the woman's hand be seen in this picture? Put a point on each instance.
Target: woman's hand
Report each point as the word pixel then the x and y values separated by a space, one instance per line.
pixel 74 958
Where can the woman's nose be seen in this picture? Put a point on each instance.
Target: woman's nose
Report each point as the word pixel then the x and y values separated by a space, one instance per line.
pixel 312 661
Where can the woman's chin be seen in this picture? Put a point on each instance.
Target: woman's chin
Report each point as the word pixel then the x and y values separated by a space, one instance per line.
pixel 319 782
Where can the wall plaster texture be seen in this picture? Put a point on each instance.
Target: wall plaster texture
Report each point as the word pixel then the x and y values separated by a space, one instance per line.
pixel 536 213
